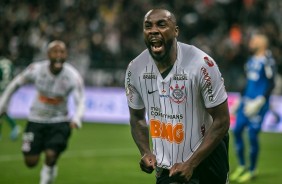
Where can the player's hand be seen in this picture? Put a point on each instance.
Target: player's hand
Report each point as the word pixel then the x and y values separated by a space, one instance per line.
pixel 74 125
pixel 148 163
pixel 252 107
pixel 181 172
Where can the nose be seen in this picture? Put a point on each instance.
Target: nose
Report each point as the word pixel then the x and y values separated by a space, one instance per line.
pixel 59 54
pixel 154 30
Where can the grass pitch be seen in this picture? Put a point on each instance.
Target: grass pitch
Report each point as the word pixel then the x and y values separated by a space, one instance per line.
pixel 106 154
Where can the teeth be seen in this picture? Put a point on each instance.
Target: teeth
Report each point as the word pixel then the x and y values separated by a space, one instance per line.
pixel 156 41
pixel 157 44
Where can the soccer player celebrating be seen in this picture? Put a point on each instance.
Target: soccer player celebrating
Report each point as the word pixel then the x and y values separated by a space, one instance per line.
pixel 5 77
pixel 182 91
pixel 254 104
pixel 49 128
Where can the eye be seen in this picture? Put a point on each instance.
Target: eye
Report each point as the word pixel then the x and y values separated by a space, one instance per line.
pixel 147 25
pixel 162 24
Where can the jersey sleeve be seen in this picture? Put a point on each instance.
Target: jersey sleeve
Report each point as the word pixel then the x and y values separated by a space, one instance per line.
pixel 212 85
pixel 134 98
pixel 29 74
pixel 25 77
pixel 79 99
pixel 270 72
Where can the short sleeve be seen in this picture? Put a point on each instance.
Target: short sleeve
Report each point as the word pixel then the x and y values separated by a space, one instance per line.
pixel 29 74
pixel 134 98
pixel 212 84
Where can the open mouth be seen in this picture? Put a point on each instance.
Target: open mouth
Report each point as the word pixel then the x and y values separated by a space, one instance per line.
pixel 58 64
pixel 156 46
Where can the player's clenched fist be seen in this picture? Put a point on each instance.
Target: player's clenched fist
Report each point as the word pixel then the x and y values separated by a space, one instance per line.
pixel 148 162
pixel 181 172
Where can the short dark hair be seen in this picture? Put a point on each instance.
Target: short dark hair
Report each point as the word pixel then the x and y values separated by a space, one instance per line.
pixel 172 17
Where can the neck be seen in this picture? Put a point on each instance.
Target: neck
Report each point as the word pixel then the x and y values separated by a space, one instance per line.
pixel 168 61
pixel 54 72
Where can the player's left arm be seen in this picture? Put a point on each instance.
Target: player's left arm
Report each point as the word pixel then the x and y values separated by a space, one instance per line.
pixel 215 99
pixel 217 131
pixel 269 70
pixel 212 138
pixel 79 99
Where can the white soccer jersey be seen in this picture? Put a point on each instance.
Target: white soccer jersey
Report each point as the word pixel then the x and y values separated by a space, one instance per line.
pixel 50 102
pixel 176 105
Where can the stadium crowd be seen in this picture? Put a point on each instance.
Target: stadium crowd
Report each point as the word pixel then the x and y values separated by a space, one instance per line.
pixel 103 36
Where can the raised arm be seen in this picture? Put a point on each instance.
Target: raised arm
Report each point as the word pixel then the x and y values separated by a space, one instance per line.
pixel 18 81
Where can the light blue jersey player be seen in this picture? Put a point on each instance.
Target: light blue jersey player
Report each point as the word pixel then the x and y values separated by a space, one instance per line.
pixel 260 70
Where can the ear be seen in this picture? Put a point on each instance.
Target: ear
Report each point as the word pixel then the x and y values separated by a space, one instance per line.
pixel 176 31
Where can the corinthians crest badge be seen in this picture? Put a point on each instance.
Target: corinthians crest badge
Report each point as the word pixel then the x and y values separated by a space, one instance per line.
pixel 177 94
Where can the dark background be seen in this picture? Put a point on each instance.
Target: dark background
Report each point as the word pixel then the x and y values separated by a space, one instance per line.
pixel 103 36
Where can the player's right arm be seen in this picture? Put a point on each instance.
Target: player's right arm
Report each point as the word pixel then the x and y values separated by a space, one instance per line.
pixel 139 127
pixel 140 134
pixel 18 81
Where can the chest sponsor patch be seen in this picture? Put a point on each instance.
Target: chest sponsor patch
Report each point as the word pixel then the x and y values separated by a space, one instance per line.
pixel 172 133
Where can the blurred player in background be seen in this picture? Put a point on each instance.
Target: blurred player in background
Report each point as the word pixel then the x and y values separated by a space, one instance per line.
pixel 254 103
pixel 181 89
pixel 49 128
pixel 6 68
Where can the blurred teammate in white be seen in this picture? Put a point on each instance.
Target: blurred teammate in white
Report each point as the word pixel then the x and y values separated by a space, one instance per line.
pixel 182 91
pixel 49 127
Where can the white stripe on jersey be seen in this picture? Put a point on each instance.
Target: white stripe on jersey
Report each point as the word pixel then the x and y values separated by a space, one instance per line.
pixel 176 105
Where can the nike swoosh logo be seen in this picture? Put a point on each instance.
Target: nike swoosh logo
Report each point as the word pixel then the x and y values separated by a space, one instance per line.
pixel 150 92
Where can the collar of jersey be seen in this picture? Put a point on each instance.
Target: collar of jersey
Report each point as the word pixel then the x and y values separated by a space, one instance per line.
pixel 177 63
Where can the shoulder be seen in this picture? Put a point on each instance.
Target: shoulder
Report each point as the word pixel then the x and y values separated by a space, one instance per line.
pixel 194 58
pixel 140 62
pixel 71 72
pixel 5 61
pixel 70 69
pixel 6 64
pixel 38 65
pixel 190 50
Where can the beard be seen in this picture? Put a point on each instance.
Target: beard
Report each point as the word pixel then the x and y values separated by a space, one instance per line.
pixel 56 65
pixel 161 57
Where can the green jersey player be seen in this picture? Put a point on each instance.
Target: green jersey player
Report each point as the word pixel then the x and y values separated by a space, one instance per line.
pixel 6 68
